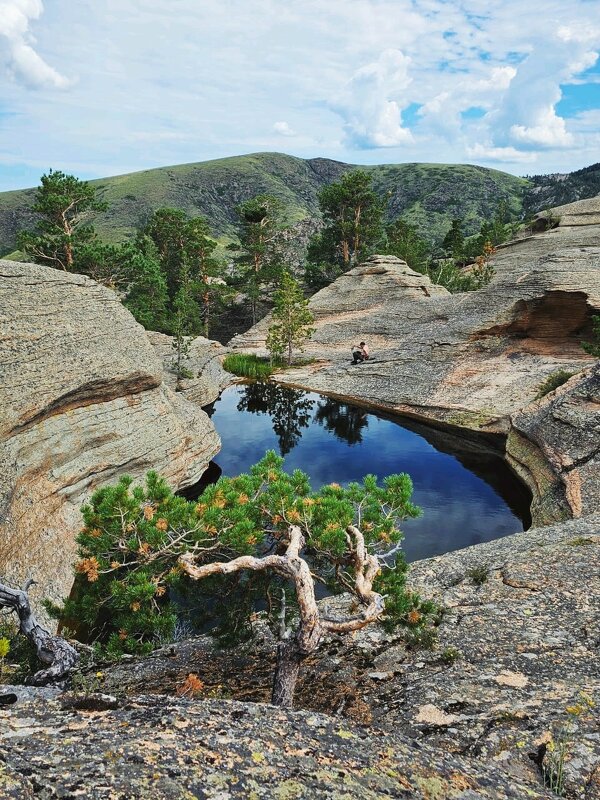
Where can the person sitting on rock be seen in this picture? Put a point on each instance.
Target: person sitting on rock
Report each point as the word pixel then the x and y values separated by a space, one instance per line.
pixel 360 352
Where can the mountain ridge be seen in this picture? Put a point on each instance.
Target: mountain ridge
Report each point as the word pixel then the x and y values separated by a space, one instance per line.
pixel 426 194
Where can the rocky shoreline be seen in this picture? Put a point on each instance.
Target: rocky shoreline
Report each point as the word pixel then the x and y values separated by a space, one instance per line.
pixel 476 361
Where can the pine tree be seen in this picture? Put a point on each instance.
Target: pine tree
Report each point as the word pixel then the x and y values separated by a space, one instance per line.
pixel 263 535
pixel 292 320
pixel 186 252
pixel 62 201
pixel 166 228
pixel 147 296
pixel 258 255
pixel 404 241
pixel 184 321
pixel 454 240
pixel 352 214
pixel 205 268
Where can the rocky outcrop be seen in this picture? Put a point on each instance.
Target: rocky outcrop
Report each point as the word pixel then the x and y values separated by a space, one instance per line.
pixel 469 360
pixel 477 356
pixel 215 750
pixel 82 401
pixel 582 212
pixel 203 361
pixel 512 665
pixel 554 444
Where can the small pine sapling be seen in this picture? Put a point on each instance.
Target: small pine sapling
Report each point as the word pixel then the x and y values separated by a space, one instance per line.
pixel 292 321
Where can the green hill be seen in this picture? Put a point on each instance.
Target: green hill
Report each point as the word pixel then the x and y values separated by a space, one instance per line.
pixel 427 194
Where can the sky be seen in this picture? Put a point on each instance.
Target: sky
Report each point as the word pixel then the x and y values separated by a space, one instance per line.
pixel 105 87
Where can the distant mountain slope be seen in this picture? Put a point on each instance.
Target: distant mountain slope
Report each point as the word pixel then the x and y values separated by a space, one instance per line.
pixel 427 194
pixel 549 191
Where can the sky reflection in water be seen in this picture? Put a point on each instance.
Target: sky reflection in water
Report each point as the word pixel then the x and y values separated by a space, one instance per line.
pixel 332 441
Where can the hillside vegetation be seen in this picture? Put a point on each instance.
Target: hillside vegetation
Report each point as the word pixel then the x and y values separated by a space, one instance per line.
pixel 429 195
pixel 548 191
pixel 426 195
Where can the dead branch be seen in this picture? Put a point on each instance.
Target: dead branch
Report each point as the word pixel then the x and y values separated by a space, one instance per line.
pixel 51 650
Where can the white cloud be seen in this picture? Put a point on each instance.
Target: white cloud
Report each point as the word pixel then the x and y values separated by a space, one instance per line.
pixel 506 155
pixel 371 102
pixel 171 81
pixel 527 117
pixel 498 80
pixel 283 129
pixel 22 61
pixel 548 130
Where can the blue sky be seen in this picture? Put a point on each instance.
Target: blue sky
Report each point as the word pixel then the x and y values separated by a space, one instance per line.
pixel 102 87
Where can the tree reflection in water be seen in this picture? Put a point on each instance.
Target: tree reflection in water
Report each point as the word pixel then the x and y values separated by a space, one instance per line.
pixel 289 410
pixel 345 422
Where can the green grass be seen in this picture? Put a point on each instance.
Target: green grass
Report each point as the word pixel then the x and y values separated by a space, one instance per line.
pixel 248 366
pixel 479 574
pixel 552 382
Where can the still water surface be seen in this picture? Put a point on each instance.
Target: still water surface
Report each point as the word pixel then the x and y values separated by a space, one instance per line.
pixel 468 494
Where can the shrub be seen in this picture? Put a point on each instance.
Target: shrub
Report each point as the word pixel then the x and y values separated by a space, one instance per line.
pixel 552 382
pixel 248 366
pixel 479 574
pixel 593 348
pixel 449 655
pixel 18 658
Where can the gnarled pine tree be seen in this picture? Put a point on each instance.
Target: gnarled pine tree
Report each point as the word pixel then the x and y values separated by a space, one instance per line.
pixel 263 534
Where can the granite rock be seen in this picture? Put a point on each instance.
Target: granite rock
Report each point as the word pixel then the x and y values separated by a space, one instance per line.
pixel 554 444
pixel 468 359
pixel 160 749
pixel 204 362
pixel 82 402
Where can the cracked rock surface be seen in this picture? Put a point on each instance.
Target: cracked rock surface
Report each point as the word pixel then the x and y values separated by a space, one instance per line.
pixel 166 748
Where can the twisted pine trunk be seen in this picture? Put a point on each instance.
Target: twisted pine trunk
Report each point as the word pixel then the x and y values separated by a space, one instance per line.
pixel 51 650
pixel 292 651
pixel 289 659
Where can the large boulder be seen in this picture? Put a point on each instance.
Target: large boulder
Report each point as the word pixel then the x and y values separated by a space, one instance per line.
pixel 83 402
